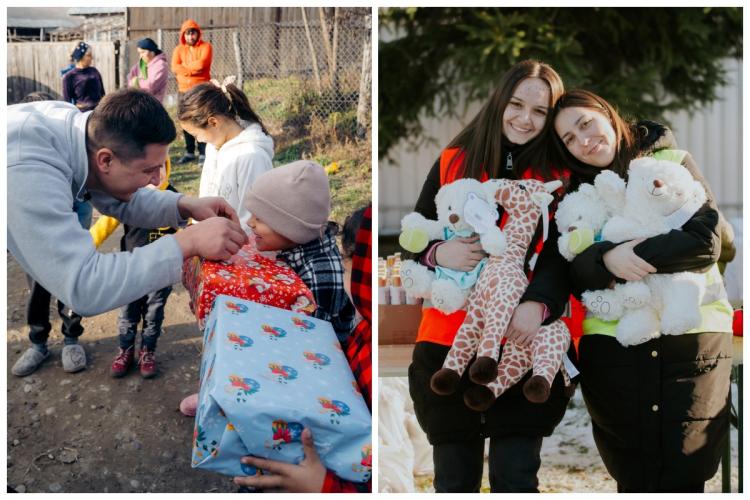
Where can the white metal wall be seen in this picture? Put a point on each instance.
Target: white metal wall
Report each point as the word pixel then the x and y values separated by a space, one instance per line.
pixel 713 136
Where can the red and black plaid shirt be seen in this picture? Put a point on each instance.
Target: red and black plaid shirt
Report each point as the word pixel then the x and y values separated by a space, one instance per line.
pixel 359 347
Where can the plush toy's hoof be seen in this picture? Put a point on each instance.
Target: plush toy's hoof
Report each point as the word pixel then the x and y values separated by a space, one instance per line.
pixel 479 398
pixel 570 390
pixel 483 371
pixel 536 389
pixel 445 382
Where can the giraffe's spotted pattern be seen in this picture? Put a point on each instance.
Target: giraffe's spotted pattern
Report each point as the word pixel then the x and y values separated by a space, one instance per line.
pixel 498 292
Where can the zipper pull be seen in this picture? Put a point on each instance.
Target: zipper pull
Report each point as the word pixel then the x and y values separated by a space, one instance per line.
pixel 509 162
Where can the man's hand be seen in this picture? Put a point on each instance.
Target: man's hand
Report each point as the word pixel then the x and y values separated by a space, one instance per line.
pixel 205 208
pixel 461 254
pixel 625 264
pixel 216 238
pixel 307 477
pixel 525 323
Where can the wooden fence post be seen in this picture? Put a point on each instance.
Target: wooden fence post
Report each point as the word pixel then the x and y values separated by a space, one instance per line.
pixel 238 57
pixel 123 58
pixel 365 89
pixel 312 52
pixel 334 50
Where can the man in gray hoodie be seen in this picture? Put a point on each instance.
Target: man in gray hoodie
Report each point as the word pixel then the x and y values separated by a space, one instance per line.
pixel 57 155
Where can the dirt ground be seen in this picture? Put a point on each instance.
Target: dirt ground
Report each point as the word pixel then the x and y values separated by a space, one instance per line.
pixel 88 432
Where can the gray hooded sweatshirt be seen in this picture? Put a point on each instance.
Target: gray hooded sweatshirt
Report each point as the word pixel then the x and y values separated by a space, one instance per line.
pixel 47 169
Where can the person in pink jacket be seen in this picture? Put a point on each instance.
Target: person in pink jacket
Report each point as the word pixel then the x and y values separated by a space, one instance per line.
pixel 151 71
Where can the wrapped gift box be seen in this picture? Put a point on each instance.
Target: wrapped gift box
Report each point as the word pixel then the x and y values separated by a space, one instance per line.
pixel 247 275
pixel 267 373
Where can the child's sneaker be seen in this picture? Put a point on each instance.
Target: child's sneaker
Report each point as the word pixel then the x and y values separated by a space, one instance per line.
pixel 122 362
pixel 189 405
pixel 29 362
pixel 147 363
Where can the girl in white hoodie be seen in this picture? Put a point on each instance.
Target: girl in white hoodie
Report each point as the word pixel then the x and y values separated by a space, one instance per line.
pixel 238 146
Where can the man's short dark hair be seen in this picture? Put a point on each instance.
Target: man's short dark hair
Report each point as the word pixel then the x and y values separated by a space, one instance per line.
pixel 126 121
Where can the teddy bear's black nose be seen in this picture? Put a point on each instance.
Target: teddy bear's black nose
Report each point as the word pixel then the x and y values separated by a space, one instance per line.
pixel 658 183
pixel 453 218
pixel 571 229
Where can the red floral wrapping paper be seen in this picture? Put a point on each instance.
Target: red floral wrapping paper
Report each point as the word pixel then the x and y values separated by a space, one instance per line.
pixel 247 275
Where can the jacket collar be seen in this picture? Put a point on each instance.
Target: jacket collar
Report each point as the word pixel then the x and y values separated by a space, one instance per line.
pixel 322 245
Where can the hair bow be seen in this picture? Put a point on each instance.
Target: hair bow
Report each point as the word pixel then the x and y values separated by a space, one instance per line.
pixel 223 85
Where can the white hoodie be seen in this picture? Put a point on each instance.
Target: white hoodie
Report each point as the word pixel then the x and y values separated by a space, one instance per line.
pixel 230 171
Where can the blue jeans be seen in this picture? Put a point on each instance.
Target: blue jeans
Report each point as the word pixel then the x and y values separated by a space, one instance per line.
pixel 150 308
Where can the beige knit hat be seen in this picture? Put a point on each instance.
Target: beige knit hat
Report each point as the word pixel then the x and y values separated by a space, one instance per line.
pixel 294 200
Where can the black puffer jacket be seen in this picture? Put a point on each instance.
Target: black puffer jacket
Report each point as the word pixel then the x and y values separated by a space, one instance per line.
pixel 446 418
pixel 660 410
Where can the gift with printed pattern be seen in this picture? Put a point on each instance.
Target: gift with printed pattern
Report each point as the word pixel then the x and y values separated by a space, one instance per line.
pixel 249 275
pixel 266 374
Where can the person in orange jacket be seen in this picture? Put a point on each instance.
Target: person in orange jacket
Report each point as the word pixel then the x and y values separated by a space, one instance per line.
pixel 191 64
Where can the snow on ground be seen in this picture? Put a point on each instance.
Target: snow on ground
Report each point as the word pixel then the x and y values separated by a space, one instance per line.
pixel 570 461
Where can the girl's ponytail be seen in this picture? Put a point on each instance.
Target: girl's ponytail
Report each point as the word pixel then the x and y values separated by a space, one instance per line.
pixel 216 99
pixel 241 106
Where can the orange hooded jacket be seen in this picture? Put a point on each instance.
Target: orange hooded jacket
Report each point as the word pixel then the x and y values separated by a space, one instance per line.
pixel 191 65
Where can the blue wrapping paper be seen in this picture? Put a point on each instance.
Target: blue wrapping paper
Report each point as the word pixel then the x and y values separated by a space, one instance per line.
pixel 267 373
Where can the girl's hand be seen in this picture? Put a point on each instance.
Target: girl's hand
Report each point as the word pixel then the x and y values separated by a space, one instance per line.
pixel 525 323
pixel 625 264
pixel 461 254
pixel 307 477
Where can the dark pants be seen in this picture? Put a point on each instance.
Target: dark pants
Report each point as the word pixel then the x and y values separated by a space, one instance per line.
pixel 513 462
pixel 37 315
pixel 37 308
pixel 190 144
pixel 150 308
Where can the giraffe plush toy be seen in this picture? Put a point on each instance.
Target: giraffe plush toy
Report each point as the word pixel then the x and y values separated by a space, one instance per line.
pixel 490 307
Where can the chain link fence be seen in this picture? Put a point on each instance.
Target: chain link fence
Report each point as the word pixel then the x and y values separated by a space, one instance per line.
pixel 323 72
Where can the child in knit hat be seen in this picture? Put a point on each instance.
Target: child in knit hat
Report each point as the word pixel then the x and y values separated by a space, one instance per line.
pixel 289 209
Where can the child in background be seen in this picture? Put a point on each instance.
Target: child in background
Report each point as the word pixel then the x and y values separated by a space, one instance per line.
pixel 239 148
pixel 150 307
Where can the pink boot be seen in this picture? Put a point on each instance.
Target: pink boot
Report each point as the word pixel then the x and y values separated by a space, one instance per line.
pixel 189 405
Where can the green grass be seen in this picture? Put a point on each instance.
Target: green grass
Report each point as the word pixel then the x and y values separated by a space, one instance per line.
pixel 185 178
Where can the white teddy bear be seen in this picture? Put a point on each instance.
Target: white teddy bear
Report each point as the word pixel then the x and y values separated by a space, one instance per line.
pixel 464 207
pixel 660 196
pixel 581 215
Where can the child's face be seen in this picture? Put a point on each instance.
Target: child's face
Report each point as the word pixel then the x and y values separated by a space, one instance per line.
pixel 210 134
pixel 266 238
